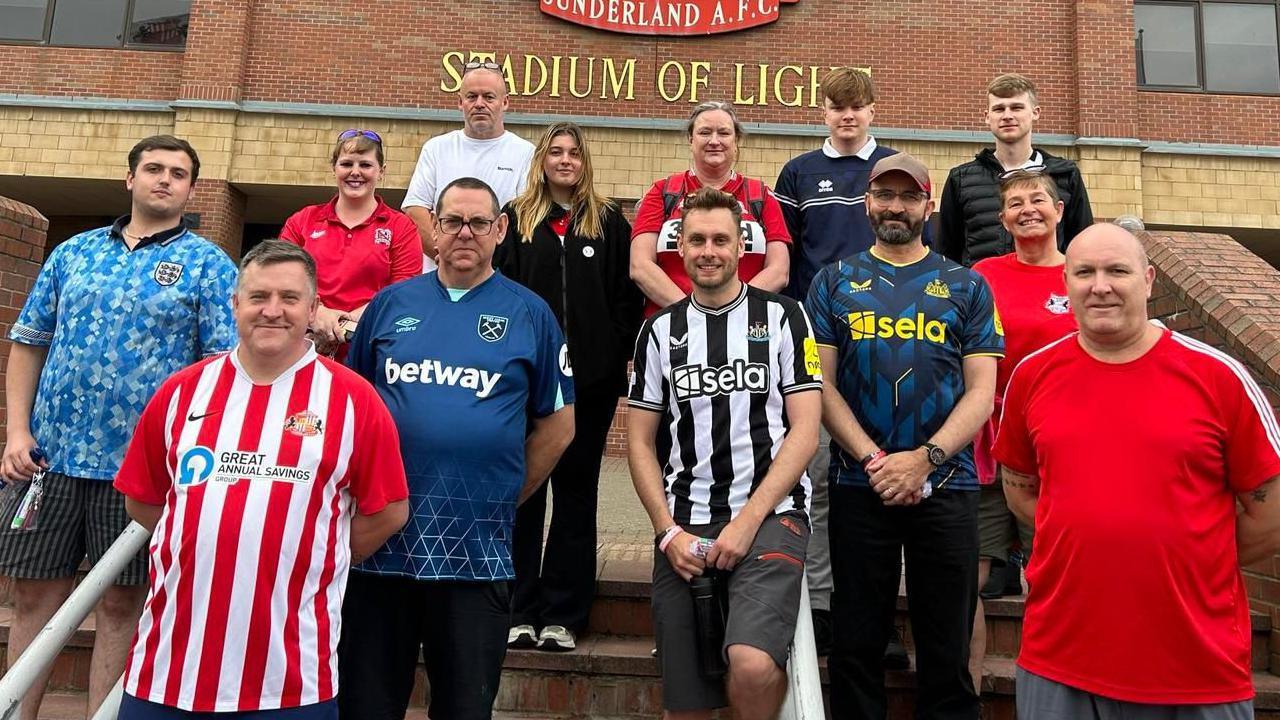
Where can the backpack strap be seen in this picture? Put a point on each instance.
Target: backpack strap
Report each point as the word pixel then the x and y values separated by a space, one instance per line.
pixel 672 194
pixel 755 199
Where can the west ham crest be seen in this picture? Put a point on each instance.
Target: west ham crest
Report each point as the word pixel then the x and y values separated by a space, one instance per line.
pixel 167 273
pixel 491 328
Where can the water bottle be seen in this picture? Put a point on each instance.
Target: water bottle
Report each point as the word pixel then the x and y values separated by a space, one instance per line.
pixel 709 619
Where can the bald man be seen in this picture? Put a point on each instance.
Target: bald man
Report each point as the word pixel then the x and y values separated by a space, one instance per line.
pixel 1127 437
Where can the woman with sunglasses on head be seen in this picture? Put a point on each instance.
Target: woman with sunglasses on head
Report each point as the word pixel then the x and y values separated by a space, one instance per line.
pixel 1031 302
pixel 714 133
pixel 360 244
pixel 570 245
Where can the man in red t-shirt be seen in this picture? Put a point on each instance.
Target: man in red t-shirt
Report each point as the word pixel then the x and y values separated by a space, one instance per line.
pixel 264 473
pixel 1126 435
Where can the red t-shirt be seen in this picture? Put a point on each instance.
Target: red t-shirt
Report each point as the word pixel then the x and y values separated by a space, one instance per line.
pixel 1135 592
pixel 758 231
pixel 250 556
pixel 353 264
pixel 1033 307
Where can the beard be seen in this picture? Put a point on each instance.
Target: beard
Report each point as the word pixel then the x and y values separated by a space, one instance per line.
pixel 893 234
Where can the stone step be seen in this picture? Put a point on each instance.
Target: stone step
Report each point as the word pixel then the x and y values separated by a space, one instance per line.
pixel 622 608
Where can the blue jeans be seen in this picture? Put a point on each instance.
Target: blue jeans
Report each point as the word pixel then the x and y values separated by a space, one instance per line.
pixel 131 708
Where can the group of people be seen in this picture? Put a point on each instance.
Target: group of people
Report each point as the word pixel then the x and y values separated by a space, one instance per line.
pixel 349 457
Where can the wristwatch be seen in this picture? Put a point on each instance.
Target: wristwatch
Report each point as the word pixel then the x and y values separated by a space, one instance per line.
pixel 937 456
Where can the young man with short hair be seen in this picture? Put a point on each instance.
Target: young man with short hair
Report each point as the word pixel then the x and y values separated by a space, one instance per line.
pixel 726 397
pixel 113 312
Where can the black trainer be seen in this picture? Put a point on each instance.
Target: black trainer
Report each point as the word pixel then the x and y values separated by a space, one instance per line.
pixel 994 587
pixel 823 634
pixel 895 653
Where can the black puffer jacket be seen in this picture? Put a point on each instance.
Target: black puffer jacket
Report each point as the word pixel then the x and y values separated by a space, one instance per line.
pixel 970 208
pixel 588 285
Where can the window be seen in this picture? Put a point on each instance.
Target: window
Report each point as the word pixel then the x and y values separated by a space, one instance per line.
pixel 135 24
pixel 1207 45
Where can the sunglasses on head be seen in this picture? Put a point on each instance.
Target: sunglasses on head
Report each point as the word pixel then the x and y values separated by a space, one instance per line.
pixel 1028 171
pixel 481 65
pixel 348 134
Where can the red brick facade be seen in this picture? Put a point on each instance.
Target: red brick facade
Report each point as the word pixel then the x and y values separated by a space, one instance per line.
pixel 22 231
pixel 388 53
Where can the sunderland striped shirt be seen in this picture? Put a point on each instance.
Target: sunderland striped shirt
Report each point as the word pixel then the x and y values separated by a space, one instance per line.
pixel 718 376
pixel 249 559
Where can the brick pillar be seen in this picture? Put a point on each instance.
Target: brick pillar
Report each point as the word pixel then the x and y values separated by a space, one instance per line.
pixel 1106 71
pixel 22 233
pixel 221 209
pixel 214 60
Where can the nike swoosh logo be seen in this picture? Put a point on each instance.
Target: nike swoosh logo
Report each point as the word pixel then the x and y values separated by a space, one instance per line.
pixel 317 234
pixel 192 417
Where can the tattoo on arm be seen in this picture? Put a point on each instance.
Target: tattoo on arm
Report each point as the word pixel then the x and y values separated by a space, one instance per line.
pixel 1021 482
pixel 1259 493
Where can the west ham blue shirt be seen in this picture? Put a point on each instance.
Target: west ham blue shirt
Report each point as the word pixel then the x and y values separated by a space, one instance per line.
pixel 117 322
pixel 462 377
pixel 901 333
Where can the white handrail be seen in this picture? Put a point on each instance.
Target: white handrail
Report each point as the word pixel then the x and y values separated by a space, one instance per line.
pixel 110 707
pixel 52 637
pixel 804 686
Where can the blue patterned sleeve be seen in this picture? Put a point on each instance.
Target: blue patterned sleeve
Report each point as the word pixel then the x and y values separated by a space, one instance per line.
pixel 551 387
pixel 983 333
pixel 216 323
pixel 39 316
pixel 818 306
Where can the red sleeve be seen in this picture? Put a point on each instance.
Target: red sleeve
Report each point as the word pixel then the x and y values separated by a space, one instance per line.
pixel 145 476
pixel 293 230
pixel 1013 447
pixel 774 222
pixel 406 249
pixel 1253 437
pixel 649 216
pixel 377 470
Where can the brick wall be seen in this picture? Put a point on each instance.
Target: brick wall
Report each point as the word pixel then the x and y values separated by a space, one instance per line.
pixel 1201 117
pixel 141 74
pixel 221 208
pixel 1214 290
pixel 1213 192
pixel 22 232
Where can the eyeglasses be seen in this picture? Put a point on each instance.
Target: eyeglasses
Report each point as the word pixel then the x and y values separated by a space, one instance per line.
pixel 352 133
pixel 481 64
pixel 1028 171
pixel 453 225
pixel 908 197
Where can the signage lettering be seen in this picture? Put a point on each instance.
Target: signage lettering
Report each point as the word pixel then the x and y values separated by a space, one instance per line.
pixel 666 17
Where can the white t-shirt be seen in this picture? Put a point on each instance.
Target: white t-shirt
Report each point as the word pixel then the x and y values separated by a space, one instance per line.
pixel 503 162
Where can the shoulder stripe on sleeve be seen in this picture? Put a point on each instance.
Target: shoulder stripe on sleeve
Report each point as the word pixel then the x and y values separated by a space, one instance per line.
pixel 1251 389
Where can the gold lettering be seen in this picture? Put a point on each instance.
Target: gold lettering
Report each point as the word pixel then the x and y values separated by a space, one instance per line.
pixel 738 99
pixel 763 84
pixel 452 64
pixel 614 82
pixel 662 81
pixel 529 61
pixel 698 70
pixel 509 76
pixel 573 76
pixel 795 100
pixel 555 76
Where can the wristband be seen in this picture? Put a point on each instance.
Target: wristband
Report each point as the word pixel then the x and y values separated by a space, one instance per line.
pixel 667 536
pixel 872 458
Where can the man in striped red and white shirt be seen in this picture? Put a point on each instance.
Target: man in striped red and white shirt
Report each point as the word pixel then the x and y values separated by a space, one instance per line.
pixel 265 473
pixel 1126 439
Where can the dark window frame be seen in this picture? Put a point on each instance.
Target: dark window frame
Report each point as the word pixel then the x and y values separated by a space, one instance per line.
pixel 1200 86
pixel 125 22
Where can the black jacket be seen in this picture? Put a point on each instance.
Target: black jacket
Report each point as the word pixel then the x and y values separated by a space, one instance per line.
pixel 588 285
pixel 970 208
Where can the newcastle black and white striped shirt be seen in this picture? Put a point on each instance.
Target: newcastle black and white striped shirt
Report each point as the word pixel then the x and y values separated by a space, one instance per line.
pixel 718 376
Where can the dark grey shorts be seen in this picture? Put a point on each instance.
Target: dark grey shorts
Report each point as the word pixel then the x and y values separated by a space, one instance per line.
pixel 78 518
pixel 1044 699
pixel 764 597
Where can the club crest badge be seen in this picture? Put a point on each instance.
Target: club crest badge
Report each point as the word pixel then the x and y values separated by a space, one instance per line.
pixel 1057 304
pixel 167 273
pixel 382 236
pixel 758 332
pixel 492 328
pixel 304 424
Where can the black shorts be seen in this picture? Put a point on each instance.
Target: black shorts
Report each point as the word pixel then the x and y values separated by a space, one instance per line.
pixel 764 597
pixel 461 628
pixel 78 518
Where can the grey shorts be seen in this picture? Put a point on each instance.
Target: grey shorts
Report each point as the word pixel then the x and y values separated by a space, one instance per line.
pixel 998 528
pixel 78 518
pixel 1045 699
pixel 764 597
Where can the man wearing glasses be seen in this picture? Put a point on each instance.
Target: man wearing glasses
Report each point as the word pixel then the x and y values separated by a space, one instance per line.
pixel 970 207
pixel 908 342
pixel 483 149
pixel 475 372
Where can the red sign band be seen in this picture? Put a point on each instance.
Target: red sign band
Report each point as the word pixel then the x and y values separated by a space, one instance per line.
pixel 666 17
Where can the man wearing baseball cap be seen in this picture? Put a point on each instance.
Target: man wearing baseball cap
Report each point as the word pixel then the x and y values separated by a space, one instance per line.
pixel 909 342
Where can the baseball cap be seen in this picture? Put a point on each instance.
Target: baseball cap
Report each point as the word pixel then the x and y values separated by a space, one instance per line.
pixel 902 162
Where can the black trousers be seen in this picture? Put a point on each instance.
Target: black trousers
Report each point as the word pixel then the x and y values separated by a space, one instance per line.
pixel 939 539
pixel 557 587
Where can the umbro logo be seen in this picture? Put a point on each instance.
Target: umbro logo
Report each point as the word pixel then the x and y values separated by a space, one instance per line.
pixel 679 342
pixel 825 186
pixel 192 417
pixel 406 324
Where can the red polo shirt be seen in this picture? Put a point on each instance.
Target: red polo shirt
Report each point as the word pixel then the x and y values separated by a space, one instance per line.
pixel 353 264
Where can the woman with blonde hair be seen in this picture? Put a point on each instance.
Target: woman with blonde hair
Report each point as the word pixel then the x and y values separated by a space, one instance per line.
pixel 570 245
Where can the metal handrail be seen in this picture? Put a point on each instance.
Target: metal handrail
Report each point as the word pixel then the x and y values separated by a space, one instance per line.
pixel 804 687
pixel 52 637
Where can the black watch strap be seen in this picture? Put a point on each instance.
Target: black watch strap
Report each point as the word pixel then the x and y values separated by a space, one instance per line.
pixel 937 456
